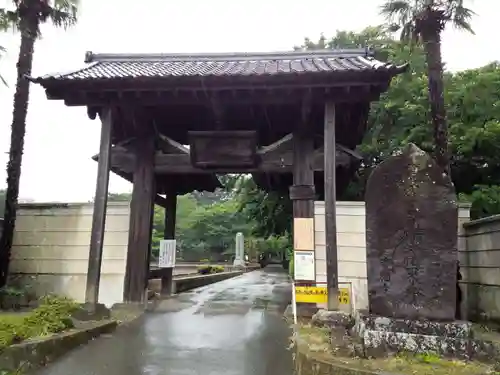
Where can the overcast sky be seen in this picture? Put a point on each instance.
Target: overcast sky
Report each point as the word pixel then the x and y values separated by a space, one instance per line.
pixel 60 140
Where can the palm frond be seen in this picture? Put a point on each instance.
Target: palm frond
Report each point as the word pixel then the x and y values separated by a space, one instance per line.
pixel 2 80
pixel 406 14
pixel 8 19
pixel 401 15
pixel 461 16
pixel 395 8
pixel 63 13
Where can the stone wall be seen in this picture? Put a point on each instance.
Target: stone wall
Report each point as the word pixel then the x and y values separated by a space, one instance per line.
pixel 351 242
pixel 51 249
pixel 480 266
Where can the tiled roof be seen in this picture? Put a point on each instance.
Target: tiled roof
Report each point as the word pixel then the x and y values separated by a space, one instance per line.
pixel 110 66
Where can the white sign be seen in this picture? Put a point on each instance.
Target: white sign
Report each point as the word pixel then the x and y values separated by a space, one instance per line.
pixel 304 265
pixel 167 254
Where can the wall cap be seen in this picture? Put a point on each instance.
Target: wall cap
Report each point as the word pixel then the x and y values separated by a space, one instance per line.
pixel 461 205
pixel 484 220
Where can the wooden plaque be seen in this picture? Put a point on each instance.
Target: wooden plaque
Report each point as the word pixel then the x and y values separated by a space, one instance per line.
pixel 216 149
pixel 303 234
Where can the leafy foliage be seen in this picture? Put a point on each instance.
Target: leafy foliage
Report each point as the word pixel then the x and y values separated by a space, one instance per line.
pixel 270 212
pixel 61 13
pixel 52 316
pixel 407 16
pixel 206 225
pixel 209 269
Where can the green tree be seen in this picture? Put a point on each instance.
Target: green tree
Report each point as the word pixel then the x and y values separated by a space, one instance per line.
pixel 26 16
pixel 423 21
pixel 209 231
pixel 269 211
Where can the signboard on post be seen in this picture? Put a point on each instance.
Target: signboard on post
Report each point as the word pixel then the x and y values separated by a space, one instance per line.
pixel 304 268
pixel 167 254
pixel 319 294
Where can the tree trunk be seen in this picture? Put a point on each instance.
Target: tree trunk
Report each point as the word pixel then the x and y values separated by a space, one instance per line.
pixel 432 46
pixel 18 129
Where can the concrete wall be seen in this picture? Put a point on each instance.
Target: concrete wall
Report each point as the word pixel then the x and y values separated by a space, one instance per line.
pixel 480 267
pixel 351 242
pixel 51 247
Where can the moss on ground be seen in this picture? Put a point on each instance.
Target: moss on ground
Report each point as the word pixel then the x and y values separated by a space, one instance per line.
pixel 318 345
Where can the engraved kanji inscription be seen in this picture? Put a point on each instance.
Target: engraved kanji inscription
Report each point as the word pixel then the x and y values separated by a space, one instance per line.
pixel 411 234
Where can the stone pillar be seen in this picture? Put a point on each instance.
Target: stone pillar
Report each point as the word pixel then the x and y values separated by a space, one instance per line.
pixel 239 259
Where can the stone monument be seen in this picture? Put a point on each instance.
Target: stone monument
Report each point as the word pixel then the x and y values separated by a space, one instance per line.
pixel 411 238
pixel 239 259
pixel 411 243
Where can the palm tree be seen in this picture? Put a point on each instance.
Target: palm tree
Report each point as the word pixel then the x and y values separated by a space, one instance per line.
pixel 422 21
pixel 26 17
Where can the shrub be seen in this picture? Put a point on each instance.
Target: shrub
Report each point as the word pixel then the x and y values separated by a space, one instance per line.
pixel 218 269
pixel 205 270
pixel 52 316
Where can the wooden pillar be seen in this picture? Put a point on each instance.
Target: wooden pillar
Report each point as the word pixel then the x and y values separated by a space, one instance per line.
pixel 99 214
pixel 330 207
pixel 140 228
pixel 302 193
pixel 167 280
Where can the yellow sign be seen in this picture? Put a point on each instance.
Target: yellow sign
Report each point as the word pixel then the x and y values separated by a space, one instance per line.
pixel 318 294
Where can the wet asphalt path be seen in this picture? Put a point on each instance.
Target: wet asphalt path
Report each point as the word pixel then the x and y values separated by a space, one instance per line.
pixel 234 327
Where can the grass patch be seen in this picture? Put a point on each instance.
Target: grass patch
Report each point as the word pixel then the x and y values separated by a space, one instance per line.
pixel 52 316
pixel 318 345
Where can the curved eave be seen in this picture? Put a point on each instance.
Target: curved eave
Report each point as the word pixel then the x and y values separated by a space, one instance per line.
pixel 65 86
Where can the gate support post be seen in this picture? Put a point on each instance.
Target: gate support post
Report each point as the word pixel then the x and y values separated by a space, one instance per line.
pixel 330 207
pixel 99 213
pixel 302 192
pixel 140 227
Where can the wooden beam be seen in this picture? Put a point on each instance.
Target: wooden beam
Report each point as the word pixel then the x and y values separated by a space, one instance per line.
pixel 283 144
pixel 270 162
pixel 99 214
pixel 136 274
pixel 169 146
pixel 330 207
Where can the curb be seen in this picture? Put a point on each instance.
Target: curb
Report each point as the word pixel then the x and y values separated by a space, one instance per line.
pixel 33 354
pixel 307 364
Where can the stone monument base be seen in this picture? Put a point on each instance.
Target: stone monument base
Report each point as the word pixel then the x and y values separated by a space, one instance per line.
pixel 368 336
pixel 382 336
pixel 239 263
